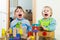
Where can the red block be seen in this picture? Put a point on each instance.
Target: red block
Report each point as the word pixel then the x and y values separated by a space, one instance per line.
pixel 30 34
pixel 44 33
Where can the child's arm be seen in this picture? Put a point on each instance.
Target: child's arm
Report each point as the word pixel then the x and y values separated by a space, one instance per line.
pixel 29 27
pixel 52 26
pixel 13 23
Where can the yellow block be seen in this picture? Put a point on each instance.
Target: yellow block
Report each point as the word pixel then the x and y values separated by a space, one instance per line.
pixel 3 32
pixel 32 37
pixel 21 31
pixel 10 31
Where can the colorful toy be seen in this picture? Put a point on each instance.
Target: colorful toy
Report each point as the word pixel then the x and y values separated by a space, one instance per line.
pixel 18 37
pixel 31 38
pixel 14 32
pixel 10 31
pixel 10 35
pixel 21 31
pixel 35 29
pixel 3 32
pixel 30 34
pixel 18 25
pixel 19 28
pixel 44 33
pixel 10 38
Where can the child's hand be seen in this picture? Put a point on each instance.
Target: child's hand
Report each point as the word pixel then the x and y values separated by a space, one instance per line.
pixel 41 28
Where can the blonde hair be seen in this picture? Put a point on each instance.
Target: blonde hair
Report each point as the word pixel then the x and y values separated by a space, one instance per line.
pixel 49 8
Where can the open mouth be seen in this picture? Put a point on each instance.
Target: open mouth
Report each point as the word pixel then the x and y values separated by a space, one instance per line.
pixel 46 14
pixel 20 15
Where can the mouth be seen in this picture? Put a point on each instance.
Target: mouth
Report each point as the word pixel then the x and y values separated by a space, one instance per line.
pixel 46 14
pixel 20 15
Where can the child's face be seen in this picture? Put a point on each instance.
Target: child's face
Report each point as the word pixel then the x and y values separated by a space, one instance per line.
pixel 46 12
pixel 19 13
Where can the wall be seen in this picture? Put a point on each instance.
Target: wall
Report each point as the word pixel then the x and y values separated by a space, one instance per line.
pixel 54 4
pixel 26 4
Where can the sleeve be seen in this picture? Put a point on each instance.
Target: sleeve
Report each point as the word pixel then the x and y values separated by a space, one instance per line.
pixel 39 22
pixel 13 23
pixel 52 26
pixel 29 27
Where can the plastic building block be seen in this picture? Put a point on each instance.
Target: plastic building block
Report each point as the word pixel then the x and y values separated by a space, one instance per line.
pixel 44 33
pixel 10 31
pixel 18 35
pixel 10 35
pixel 21 31
pixel 35 27
pixel 17 38
pixel 3 32
pixel 14 32
pixel 10 38
pixel 32 37
pixel 30 34
pixel 18 25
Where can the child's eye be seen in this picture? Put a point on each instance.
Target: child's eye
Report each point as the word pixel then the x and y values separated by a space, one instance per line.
pixel 17 11
pixel 47 10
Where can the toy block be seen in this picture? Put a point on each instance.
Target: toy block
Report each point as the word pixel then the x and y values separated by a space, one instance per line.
pixel 18 25
pixel 10 35
pixel 3 32
pixel 18 35
pixel 21 32
pixel 14 32
pixel 46 34
pixel 10 31
pixel 35 27
pixel 32 38
pixel 10 38
pixel 16 38
pixel 30 34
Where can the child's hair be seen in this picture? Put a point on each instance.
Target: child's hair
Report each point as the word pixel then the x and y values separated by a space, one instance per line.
pixel 19 7
pixel 49 8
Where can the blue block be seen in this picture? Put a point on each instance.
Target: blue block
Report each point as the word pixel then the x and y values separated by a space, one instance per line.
pixel 10 38
pixel 16 38
pixel 18 35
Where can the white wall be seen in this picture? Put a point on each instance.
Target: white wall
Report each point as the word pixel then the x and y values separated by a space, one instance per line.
pixel 56 12
pixel 26 4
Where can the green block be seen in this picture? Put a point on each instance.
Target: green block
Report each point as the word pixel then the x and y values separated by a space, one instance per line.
pixel 18 25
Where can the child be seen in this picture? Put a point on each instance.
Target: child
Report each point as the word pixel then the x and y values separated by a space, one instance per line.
pixel 19 17
pixel 47 23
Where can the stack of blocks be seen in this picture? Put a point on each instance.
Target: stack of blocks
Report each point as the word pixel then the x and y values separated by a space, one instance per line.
pixel 18 37
pixel 17 32
pixel 30 36
pixel 3 32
